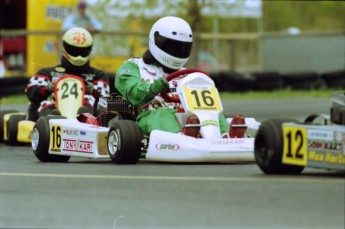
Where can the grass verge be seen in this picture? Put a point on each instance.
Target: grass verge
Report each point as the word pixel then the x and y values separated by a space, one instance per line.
pixel 278 94
pixel 14 99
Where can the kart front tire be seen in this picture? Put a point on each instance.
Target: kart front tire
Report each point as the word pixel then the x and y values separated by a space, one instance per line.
pixel 268 148
pixel 13 128
pixel 2 114
pixel 124 142
pixel 41 139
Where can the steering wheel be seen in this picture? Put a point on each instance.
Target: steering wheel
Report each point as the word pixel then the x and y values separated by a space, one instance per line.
pixel 174 75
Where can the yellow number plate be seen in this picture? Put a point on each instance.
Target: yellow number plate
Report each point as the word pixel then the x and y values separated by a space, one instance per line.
pixel 295 145
pixel 55 138
pixel 205 98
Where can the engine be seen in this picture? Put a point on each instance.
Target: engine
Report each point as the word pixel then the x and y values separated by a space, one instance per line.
pixel 114 106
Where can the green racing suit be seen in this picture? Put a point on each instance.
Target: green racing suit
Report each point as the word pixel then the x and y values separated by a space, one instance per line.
pixel 133 80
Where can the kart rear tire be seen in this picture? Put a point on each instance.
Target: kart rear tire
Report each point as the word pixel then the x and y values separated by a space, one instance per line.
pixel 41 139
pixel 12 127
pixel 124 142
pixel 268 148
pixel 2 114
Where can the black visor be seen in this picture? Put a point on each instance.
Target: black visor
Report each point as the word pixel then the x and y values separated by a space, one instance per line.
pixel 77 51
pixel 175 48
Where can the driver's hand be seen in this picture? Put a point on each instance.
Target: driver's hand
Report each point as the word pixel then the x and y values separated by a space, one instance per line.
pixel 89 88
pixel 159 86
pixel 50 87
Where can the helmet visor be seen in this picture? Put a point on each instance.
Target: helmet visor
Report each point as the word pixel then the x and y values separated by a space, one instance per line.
pixel 77 51
pixel 175 48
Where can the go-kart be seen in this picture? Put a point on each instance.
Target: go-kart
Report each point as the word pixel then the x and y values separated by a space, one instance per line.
pixel 69 97
pixel 286 146
pixel 114 134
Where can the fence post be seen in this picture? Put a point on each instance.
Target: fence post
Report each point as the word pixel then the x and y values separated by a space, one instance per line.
pixel 232 55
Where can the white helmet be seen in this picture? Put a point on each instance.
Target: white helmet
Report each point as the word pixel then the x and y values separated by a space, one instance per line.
pixel 77 46
pixel 171 42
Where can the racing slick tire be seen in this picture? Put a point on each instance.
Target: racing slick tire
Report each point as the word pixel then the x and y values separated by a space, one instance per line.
pixel 2 114
pixel 41 139
pixel 12 126
pixel 268 148
pixel 124 142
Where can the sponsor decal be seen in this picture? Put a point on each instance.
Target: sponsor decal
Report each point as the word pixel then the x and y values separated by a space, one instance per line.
pixel 78 146
pixel 56 75
pixel 197 86
pixel 56 12
pixel 210 122
pixel 182 34
pixel 326 157
pixel 95 127
pixel 227 141
pixel 167 147
pixel 327 145
pixel 70 132
pixel 320 135
pixel 60 69
pixel 83 133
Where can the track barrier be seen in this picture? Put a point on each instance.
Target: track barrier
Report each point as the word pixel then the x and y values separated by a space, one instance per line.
pixel 228 81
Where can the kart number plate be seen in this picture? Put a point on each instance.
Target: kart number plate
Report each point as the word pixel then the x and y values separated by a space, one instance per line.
pixel 55 138
pixel 69 94
pixel 295 145
pixel 202 98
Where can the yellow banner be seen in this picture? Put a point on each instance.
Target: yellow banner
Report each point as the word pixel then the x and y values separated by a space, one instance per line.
pixel 47 15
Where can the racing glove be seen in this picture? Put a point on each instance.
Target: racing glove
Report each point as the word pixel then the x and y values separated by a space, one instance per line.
pixel 50 87
pixel 159 86
pixel 89 88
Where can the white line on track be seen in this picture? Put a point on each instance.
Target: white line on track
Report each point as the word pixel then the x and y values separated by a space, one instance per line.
pixel 182 178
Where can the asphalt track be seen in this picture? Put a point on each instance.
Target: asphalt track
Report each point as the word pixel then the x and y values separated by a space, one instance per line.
pixel 98 194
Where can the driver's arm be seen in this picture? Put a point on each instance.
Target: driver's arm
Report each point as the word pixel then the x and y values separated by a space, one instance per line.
pixel 36 90
pixel 128 82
